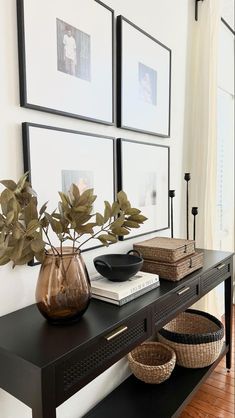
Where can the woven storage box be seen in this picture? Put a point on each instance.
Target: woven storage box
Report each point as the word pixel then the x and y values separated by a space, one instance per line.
pixel 175 271
pixel 152 362
pixel 165 249
pixel 195 336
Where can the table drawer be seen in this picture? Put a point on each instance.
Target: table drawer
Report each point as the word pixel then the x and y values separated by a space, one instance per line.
pixel 181 299
pixel 84 365
pixel 215 276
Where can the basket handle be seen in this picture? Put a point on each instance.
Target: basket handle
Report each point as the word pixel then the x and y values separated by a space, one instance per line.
pixel 102 263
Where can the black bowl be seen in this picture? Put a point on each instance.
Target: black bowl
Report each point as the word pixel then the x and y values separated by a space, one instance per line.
pixel 118 267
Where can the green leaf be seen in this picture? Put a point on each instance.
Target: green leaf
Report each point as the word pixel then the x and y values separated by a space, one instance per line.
pixel 99 219
pixel 4 260
pixel 21 183
pixel 28 189
pixel 18 231
pixel 40 256
pixel 9 218
pixel 131 224
pixel 44 222
pixel 122 197
pixel 24 259
pixel 86 229
pixel 18 249
pixel 75 192
pixel 115 209
pixel 9 184
pixel 137 218
pixel 85 197
pixel 64 198
pixel 43 208
pixel 103 240
pixel 37 245
pixel 107 211
pixel 56 216
pixel 109 237
pixel 82 218
pixel 132 211
pixel 14 206
pixel 56 225
pixel 32 227
pixel 5 197
pixel 81 209
pixel 120 231
pixel 30 211
pixel 118 223
pixel 2 238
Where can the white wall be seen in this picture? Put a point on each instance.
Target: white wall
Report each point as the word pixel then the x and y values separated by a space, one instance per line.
pixel 167 20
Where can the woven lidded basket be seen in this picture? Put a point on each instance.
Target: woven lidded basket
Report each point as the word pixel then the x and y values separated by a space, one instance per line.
pixel 195 336
pixel 165 249
pixel 152 362
pixel 175 271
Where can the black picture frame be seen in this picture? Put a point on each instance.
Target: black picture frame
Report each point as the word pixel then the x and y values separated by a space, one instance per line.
pixel 120 81
pixel 24 100
pixel 27 160
pixel 121 185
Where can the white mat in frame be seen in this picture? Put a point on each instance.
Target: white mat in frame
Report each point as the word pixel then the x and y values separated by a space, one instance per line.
pixel 58 157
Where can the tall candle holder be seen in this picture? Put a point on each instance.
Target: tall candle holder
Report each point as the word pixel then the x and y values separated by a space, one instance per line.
pixel 187 177
pixel 172 195
pixel 194 213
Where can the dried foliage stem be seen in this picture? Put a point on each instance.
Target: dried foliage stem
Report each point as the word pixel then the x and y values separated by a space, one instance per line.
pixel 54 249
pixel 25 231
pixel 105 229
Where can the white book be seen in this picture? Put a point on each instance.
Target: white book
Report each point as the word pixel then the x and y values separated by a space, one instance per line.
pixel 128 298
pixel 118 290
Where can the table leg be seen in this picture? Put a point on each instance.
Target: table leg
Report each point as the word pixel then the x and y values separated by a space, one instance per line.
pixel 44 412
pixel 44 405
pixel 228 298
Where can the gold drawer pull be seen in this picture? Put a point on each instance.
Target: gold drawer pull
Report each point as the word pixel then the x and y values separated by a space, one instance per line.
pixel 115 333
pixel 183 291
pixel 220 266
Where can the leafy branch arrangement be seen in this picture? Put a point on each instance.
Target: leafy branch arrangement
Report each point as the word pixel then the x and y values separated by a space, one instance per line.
pixel 25 231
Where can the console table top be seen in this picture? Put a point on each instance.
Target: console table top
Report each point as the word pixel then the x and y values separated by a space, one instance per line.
pixel 26 334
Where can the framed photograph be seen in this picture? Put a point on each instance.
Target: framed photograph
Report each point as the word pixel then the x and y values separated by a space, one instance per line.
pixel 56 158
pixel 66 58
pixel 144 81
pixel 146 181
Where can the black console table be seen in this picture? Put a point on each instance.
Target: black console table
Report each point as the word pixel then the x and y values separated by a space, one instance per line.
pixel 43 365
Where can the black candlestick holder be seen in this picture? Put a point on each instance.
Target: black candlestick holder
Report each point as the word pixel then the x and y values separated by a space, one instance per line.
pixel 172 195
pixel 187 177
pixel 194 213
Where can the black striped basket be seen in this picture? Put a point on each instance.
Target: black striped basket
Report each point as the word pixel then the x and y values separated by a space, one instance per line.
pixel 195 336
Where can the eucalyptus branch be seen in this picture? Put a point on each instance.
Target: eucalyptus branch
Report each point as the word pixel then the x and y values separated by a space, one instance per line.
pixel 22 220
pixel 55 251
pixel 74 239
pixel 93 236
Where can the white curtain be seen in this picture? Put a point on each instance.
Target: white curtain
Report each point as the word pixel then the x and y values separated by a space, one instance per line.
pixel 201 129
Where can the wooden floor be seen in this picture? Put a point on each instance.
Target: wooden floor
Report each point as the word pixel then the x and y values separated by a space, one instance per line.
pixel 215 398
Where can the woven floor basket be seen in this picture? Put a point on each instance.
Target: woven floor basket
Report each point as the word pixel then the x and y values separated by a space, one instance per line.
pixel 152 362
pixel 195 336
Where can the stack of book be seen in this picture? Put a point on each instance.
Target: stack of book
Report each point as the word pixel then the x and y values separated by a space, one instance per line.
pixel 120 293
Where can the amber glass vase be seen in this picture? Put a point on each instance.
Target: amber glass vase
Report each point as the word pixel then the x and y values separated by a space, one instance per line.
pixel 63 287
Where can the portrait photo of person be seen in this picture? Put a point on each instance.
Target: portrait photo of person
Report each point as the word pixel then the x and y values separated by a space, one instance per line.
pixel 83 179
pixel 70 52
pixel 73 51
pixel 147 84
